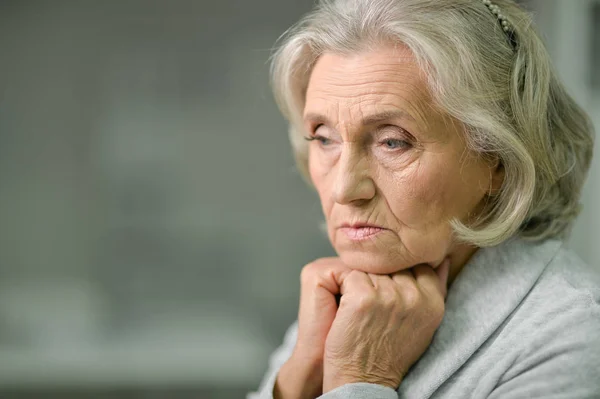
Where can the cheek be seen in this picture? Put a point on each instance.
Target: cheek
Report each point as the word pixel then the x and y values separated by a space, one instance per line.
pixel 426 194
pixel 316 173
pixel 452 190
pixel 411 194
pixel 318 177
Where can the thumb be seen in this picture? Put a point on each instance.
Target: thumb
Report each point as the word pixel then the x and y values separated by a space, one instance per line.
pixel 443 271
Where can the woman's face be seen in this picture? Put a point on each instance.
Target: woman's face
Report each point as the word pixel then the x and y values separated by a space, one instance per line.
pixel 390 170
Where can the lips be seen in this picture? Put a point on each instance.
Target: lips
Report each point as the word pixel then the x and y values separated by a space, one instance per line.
pixel 361 231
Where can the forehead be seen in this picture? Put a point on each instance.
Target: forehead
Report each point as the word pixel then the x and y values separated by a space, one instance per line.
pixel 386 78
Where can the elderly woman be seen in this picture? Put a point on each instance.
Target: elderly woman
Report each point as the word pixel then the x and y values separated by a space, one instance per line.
pixel 449 161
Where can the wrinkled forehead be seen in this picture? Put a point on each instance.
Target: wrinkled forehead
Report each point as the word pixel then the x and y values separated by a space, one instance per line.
pixel 347 87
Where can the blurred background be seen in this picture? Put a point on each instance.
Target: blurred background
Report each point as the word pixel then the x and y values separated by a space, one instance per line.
pixel 152 223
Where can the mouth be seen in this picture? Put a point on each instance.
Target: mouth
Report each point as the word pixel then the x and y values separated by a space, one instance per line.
pixel 361 231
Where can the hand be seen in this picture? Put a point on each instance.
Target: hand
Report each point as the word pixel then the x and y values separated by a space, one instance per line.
pixel 302 375
pixel 383 325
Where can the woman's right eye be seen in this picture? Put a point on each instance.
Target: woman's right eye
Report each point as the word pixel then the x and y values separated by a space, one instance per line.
pixel 321 139
pixel 315 136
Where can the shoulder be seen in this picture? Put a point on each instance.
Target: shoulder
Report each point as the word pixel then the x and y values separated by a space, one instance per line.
pixel 565 296
pixel 555 331
pixel 567 268
pixel 561 276
pixel 568 288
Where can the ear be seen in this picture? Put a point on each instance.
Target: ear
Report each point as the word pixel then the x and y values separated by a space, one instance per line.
pixel 496 177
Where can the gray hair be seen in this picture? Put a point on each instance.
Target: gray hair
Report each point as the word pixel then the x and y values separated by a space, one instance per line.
pixel 500 86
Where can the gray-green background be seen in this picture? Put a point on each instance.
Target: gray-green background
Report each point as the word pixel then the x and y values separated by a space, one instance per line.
pixel 152 224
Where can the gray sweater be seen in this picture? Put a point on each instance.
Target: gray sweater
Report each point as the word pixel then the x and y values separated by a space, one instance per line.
pixel 522 321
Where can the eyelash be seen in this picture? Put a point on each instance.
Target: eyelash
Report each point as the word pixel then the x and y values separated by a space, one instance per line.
pixel 316 137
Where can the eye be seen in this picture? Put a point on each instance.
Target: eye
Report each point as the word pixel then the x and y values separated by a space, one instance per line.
pixel 395 144
pixel 324 141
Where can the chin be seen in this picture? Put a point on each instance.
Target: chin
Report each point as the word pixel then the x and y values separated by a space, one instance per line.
pixel 372 262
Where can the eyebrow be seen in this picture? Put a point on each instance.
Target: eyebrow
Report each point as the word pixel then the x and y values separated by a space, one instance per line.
pixel 369 120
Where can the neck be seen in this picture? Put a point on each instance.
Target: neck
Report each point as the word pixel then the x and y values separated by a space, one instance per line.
pixel 459 258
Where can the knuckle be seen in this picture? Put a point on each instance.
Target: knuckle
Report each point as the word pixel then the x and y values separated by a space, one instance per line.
pixel 314 269
pixel 412 297
pixel 354 275
pixel 389 299
pixel 307 273
pixel 365 301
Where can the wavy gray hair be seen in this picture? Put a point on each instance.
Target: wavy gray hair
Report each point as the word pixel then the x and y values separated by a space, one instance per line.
pixel 499 85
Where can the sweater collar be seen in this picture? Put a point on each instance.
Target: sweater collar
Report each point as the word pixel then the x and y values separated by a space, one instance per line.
pixel 482 297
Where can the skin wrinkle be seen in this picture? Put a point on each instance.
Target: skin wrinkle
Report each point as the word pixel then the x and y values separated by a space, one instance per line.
pixel 413 192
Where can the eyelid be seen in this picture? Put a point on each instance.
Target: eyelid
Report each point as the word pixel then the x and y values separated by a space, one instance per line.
pixel 316 127
pixel 327 133
pixel 383 128
pixel 393 132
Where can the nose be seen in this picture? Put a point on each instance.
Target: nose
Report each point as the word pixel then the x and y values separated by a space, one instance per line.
pixel 353 182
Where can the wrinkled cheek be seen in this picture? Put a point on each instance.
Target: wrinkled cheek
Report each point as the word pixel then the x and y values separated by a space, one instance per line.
pixel 404 198
pixel 318 176
pixel 419 201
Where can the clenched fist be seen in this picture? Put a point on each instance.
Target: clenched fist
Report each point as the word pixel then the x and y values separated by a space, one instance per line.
pixel 302 375
pixel 382 326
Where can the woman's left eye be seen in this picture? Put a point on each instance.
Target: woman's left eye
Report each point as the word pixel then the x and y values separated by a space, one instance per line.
pixel 394 144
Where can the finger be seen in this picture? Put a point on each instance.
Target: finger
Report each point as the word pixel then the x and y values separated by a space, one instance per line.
pixel 388 291
pixel 430 280
pixel 382 282
pixel 356 282
pixel 403 277
pixel 320 282
pixel 326 273
pixel 443 272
